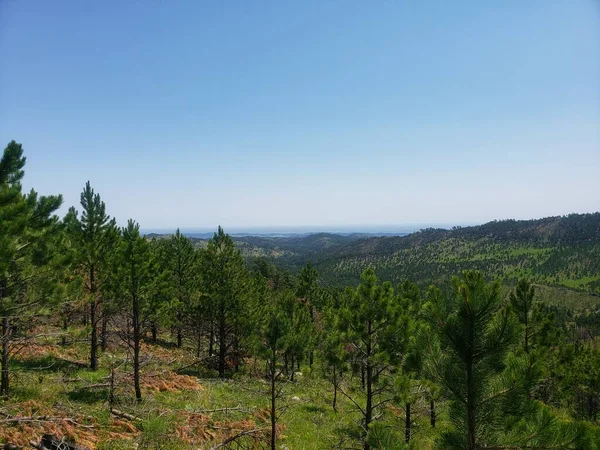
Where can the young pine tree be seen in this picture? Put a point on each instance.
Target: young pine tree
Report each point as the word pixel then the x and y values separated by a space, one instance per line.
pixel 30 256
pixel 226 289
pixel 476 333
pixel 183 277
pixel 374 329
pixel 308 290
pixel 134 277
pixel 93 238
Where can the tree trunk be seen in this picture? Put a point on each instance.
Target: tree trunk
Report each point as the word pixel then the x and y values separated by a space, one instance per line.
pixel 198 344
pixel 222 347
pixel 93 337
pixel 292 372
pixel 84 317
pixel 94 322
pixel 407 424
pixel 432 413
pixel 111 392
pixel 362 377
pixel 136 347
pixel 211 340
pixel 236 349
pixel 179 337
pixel 104 333
pixel 334 389
pixel 4 369
pixel 154 332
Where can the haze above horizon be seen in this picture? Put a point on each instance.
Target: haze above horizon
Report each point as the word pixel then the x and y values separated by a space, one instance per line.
pixel 249 114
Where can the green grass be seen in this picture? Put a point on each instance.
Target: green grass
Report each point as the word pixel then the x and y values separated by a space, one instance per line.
pixel 307 418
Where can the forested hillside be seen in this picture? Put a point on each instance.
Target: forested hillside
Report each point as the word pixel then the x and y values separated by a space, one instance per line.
pixel 437 340
pixel 554 251
pixel 562 251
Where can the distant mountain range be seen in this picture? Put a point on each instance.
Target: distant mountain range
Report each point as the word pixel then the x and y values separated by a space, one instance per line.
pixel 554 251
pixel 279 234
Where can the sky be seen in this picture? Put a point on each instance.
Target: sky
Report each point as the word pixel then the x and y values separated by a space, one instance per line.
pixel 307 114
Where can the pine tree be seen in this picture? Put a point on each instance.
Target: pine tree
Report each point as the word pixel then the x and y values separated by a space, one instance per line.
pixel 298 342
pixel 308 291
pixel 183 278
pixel 94 237
pixel 160 307
pixel 332 350
pixel 30 240
pixel 134 276
pixel 273 329
pixel 409 296
pixel 374 328
pixel 225 290
pixel 472 362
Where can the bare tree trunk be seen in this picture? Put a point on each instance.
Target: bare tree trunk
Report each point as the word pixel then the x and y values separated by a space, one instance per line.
pixel 94 322
pixel 111 392
pixel 198 343
pixel 407 424
pixel 292 373
pixel 154 332
pixel 179 335
pixel 93 337
pixel 211 340
pixel 236 351
pixel 432 413
pixel 6 332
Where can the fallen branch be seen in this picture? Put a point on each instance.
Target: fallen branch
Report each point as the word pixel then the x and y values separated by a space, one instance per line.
pixel 124 415
pixel 45 419
pixel 97 385
pixel 187 366
pixel 236 437
pixel 225 410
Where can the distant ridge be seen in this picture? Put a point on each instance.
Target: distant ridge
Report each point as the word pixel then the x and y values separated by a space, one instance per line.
pixel 555 251
pixel 560 250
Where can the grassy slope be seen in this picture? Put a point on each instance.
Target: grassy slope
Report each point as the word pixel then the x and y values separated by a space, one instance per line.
pixel 50 380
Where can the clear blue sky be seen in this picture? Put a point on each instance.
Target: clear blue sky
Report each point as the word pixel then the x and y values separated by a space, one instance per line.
pixel 256 113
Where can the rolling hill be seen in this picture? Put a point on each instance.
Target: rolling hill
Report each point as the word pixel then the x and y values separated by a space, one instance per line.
pixel 561 251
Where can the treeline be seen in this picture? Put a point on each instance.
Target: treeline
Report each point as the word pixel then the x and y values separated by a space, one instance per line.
pixel 494 372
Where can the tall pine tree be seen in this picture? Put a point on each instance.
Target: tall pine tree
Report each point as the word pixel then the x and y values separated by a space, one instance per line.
pixel 30 237
pixel 134 278
pixel 94 237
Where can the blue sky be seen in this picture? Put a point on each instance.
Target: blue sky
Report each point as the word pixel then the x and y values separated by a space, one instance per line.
pixel 323 113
